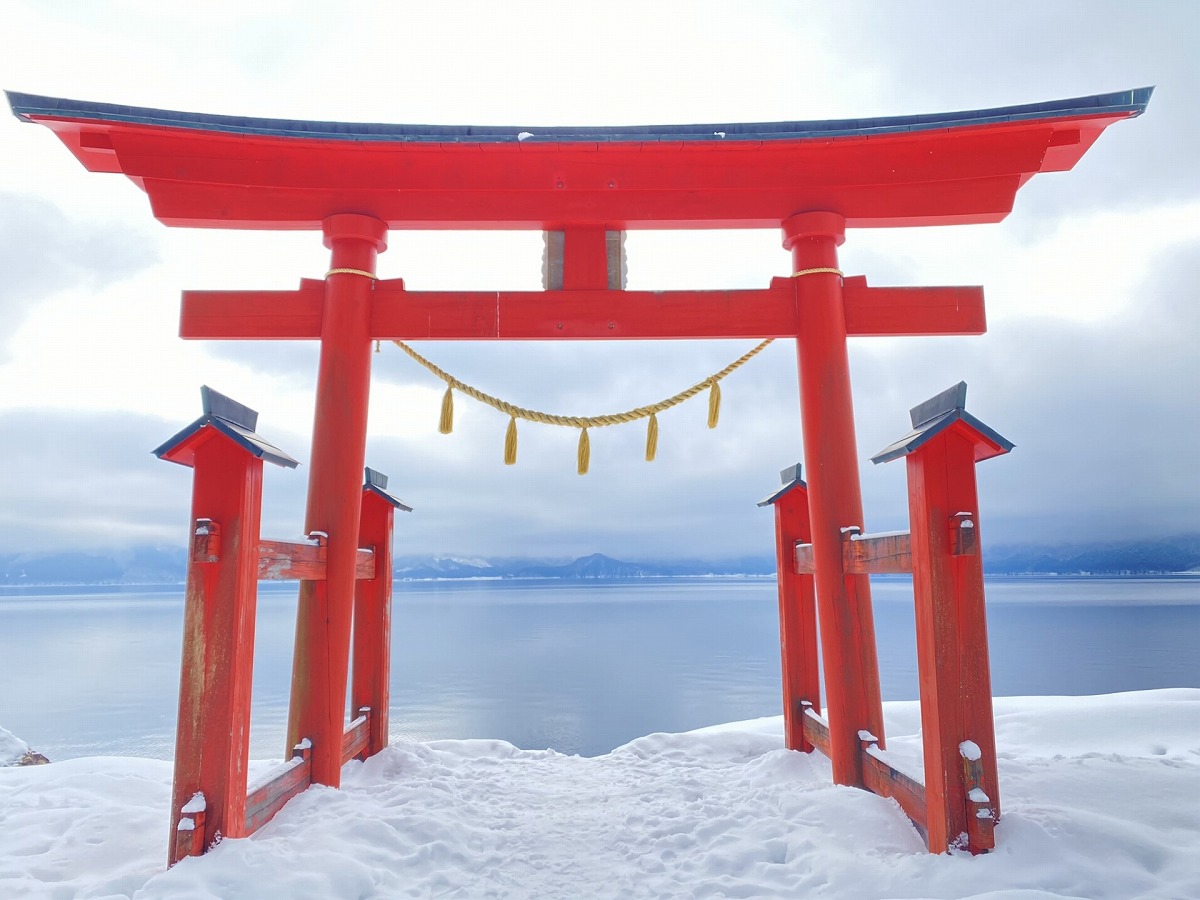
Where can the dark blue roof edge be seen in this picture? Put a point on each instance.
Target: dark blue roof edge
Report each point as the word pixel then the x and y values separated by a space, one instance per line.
pixel 927 430
pixel 25 105
pixel 248 440
pixel 781 493
pixel 790 478
pixel 376 482
pixel 254 443
pixel 387 497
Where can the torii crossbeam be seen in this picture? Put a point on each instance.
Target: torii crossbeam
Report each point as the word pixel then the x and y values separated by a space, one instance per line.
pixel 355 182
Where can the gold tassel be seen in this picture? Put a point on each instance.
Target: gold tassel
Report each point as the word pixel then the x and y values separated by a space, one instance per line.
pixel 377 346
pixel 714 404
pixel 585 452
pixel 652 438
pixel 510 442
pixel 446 423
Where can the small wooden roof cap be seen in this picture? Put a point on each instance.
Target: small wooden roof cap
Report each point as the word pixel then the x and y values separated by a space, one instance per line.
pixel 222 415
pixel 376 483
pixel 939 413
pixel 791 480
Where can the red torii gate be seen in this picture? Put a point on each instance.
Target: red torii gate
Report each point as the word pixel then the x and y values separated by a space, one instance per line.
pixel 357 182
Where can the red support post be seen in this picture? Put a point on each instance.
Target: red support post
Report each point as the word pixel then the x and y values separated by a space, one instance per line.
pixel 797 610
pixel 952 649
pixel 213 730
pixel 323 618
pixel 373 612
pixel 851 667
pixel 962 792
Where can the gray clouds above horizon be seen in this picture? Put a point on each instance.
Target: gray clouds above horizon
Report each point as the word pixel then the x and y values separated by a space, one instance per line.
pixel 43 250
pixel 1026 51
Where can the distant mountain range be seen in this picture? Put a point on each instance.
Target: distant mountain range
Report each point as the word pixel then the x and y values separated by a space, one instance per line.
pixel 147 565
pixel 153 565
pixel 1174 554
pixel 595 566
pixel 140 565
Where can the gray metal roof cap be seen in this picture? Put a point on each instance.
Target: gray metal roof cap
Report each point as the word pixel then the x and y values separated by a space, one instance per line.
pixel 234 420
pixel 933 417
pixel 790 477
pixel 376 483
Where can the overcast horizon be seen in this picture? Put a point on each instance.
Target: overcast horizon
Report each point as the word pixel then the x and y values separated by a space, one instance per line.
pixel 1089 366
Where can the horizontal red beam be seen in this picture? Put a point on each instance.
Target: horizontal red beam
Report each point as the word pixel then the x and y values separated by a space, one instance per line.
pixel 883 779
pixel 879 777
pixel 883 311
pixel 357 738
pixel 815 729
pixel 280 786
pixel 982 200
pixel 283 783
pixel 398 314
pixel 585 314
pixel 882 554
pixel 302 560
pixel 223 172
pixel 279 560
pixel 279 315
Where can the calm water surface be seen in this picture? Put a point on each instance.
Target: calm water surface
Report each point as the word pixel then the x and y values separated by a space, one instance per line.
pixel 581 668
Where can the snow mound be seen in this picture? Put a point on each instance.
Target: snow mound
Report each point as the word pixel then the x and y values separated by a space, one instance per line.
pixel 1098 793
pixel 12 748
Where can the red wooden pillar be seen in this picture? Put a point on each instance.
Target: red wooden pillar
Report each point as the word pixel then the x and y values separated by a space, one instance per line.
pixel 797 609
pixel 373 610
pixel 322 656
pixel 851 668
pixel 962 794
pixel 213 731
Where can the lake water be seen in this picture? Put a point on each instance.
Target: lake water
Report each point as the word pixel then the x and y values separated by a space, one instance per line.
pixel 581 668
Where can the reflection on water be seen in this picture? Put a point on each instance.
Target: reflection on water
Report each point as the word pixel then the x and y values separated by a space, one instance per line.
pixel 581 668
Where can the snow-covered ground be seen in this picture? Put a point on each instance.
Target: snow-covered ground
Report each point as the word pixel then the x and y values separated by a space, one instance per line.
pixel 1101 799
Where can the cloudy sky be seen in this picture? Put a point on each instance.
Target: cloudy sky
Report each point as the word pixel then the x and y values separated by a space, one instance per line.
pixel 1090 364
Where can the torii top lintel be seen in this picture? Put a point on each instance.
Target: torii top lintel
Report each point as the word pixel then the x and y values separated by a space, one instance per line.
pixel 233 172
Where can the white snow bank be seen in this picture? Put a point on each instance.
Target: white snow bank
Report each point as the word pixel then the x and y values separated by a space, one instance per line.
pixel 12 748
pixel 1098 795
